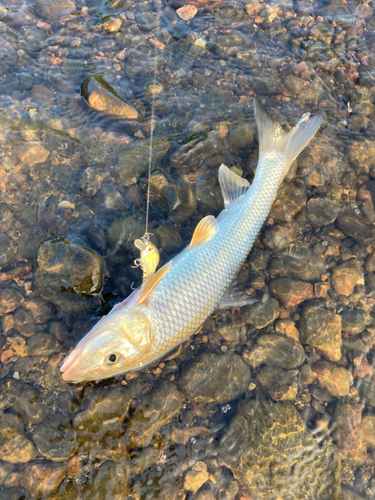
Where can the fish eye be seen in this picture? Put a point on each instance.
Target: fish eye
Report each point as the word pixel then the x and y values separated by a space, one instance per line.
pixel 113 358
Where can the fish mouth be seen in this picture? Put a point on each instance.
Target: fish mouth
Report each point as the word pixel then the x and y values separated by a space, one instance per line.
pixel 69 368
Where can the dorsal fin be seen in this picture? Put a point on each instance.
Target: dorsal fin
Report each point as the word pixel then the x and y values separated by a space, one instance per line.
pixel 151 283
pixel 232 186
pixel 206 229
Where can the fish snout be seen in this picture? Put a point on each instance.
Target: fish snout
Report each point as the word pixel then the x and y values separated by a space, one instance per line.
pixel 69 367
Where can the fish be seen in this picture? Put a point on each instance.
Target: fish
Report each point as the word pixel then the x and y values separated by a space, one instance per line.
pixel 173 302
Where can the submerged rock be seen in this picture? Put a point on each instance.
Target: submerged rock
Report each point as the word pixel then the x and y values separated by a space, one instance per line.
pixel 275 350
pixel 336 379
pixel 15 447
pixel 269 449
pixel 41 478
pixel 214 378
pixel 354 321
pixel 30 154
pixel 291 292
pixel 110 480
pixel 357 228
pixel 277 383
pixel 102 97
pixel 348 433
pixel 56 439
pixel 322 211
pixel 345 277
pixel 56 10
pixel 261 314
pixel 10 299
pixel 196 477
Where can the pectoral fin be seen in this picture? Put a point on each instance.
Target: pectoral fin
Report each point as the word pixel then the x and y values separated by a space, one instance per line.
pixel 205 230
pixel 236 296
pixel 232 186
pixel 151 283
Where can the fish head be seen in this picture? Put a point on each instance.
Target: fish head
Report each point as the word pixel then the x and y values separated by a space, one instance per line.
pixel 116 344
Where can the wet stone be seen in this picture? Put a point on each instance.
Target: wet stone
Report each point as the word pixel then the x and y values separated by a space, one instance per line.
pixel 277 383
pixel 322 211
pixel 10 299
pixel 110 480
pixel 354 321
pixel 41 478
pixel 357 228
pixel 348 433
pixel 261 314
pixel 7 250
pixel 275 350
pixel 112 24
pixel 30 405
pixel 170 239
pixel 289 204
pixel 56 439
pixel 91 180
pixel 122 233
pixel 196 477
pixel 278 237
pixel 9 393
pixel 288 328
pixel 214 378
pixel 266 437
pixel 24 322
pixel 291 292
pixel 153 411
pixel 345 277
pixel 321 328
pixel 57 10
pixel 14 445
pixel 367 390
pixel 5 469
pixel 336 379
pixel 43 344
pixel 30 154
pixel 368 428
pixel 67 267
pixel 303 264
pixel 40 310
pixel 102 97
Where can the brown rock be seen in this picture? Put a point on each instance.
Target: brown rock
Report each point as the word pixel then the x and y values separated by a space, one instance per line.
pixel 187 12
pixel 348 433
pixel 42 478
pixel 345 277
pixel 288 328
pixel 290 202
pixel 279 237
pixel 10 299
pixel 14 445
pixel 321 328
pixel 30 154
pixel 196 477
pixel 291 292
pixel 336 379
pixel 277 383
pixel 275 350
pixel 368 428
pixel 357 228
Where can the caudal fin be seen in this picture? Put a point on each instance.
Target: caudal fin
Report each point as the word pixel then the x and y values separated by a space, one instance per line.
pixel 272 138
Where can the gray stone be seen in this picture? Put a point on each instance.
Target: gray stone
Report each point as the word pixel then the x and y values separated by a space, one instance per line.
pixel 354 321
pixel 42 478
pixel 7 250
pixel 277 383
pixel 56 439
pixel 30 405
pixel 43 344
pixel 110 480
pixel 10 299
pixel 261 314
pixel 14 445
pixel 322 211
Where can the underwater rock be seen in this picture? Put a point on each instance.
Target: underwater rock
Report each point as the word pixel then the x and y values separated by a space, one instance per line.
pixel 214 378
pixel 345 277
pixel 336 379
pixel 354 321
pixel 112 23
pixel 288 328
pixel 279 237
pixel 321 328
pixel 357 228
pixel 56 439
pixel 153 410
pixel 269 449
pixel 102 97
pixel 196 477
pixel 261 314
pixel 275 350
pixel 368 429
pixel 15 447
pixel 41 478
pixel 30 154
pixel 10 299
pixel 9 393
pixel 287 206
pixel 122 233
pixel 24 322
pixel 67 274
pixel 348 433
pixel 302 264
pixel 91 180
pixel 7 250
pixel 30 405
pixel 55 10
pixel 322 211
pixel 277 383
pixel 291 292
pixel 110 480
pixel 170 239
pixel 42 344
pixel 367 390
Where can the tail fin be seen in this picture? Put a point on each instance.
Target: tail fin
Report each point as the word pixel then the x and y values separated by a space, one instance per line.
pixel 272 138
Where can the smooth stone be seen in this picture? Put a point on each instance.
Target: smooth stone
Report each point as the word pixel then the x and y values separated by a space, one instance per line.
pixel 122 233
pixel 41 478
pixel 30 405
pixel 345 277
pixel 288 328
pixel 275 350
pixel 56 439
pixel 321 328
pixel 294 84
pixel 43 344
pixel 10 299
pixel 214 378
pixel 15 447
pixel 348 433
pixel 291 292
pixel 354 321
pixel 358 228
pixel 368 428
pixel 277 383
pixel 336 379
pixel 56 10
pixel 279 237
pixel 170 239
pixel 304 265
pixel 290 204
pixel 90 181
pixel 196 477
pixel 322 211
pixel 264 435
pixel 30 154
pixel 112 24
pixel 109 480
pixel 7 249
pixel 261 314
pixel 367 390
pixel 9 393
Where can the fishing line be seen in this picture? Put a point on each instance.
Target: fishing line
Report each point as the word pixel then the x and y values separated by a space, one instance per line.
pixel 146 235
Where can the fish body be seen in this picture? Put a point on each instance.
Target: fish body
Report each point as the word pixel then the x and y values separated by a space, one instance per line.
pixel 173 303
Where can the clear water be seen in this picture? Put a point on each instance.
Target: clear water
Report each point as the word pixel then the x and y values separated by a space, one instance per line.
pixel 73 179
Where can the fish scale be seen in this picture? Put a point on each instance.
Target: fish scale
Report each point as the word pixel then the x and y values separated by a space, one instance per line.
pixel 174 302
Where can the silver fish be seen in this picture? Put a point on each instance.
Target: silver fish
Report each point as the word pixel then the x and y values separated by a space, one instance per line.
pixel 174 302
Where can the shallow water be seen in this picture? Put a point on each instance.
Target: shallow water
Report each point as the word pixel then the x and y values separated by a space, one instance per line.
pixel 274 400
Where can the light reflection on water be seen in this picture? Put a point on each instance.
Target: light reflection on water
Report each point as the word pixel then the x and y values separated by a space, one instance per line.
pixel 73 174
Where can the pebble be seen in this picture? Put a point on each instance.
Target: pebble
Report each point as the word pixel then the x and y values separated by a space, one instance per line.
pixel 24 322
pixel 321 328
pixel 170 239
pixel 348 434
pixel 368 429
pixel 277 383
pixel 291 292
pixel 10 299
pixel 187 12
pixel 288 328
pixel 303 264
pixel 288 205
pixel 42 478
pixel 112 24
pixel 196 477
pixel 322 211
pixel 279 237
pixel 275 350
pixel 109 480
pixel 358 228
pixel 43 344
pixel 30 405
pixel 56 10
pixel 336 379
pixel 261 314
pixel 7 250
pixel 91 180
pixel 214 378
pixel 30 154
pixel 345 277
pixel 56 439
pixel 42 95
pixel 354 321
pixel 15 447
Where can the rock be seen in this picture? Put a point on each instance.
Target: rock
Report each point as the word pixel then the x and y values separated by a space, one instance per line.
pixel 102 97
pixel 187 12
pixel 358 228
pixel 303 264
pixel 261 314
pixel 7 250
pixel 336 379
pixel 266 437
pixel 229 331
pixel 291 292
pixel 354 321
pixel 9 393
pixel 289 204
pixel 275 350
pixel 322 211
pixel 24 322
pixel 42 95
pixel 194 153
pixel 146 19
pixel 214 378
pixel 91 180
pixel 56 439
pixel 41 310
pixel 321 328
pixel 10 299
pixel 153 411
pixel 43 344
pixel 277 383
pixel 294 84
pixel 241 137
pixel 348 433
pixel 122 233
pixel 279 237
pixel 42 478
pixel 196 477
pixel 110 480
pixel 30 154
pixel 288 328
pixel 14 445
pixel 30 405
pixel 367 390
pixel 56 10
pixel 345 277
pixel 112 23
pixel 5 469
pixel 170 239
pixel 63 267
